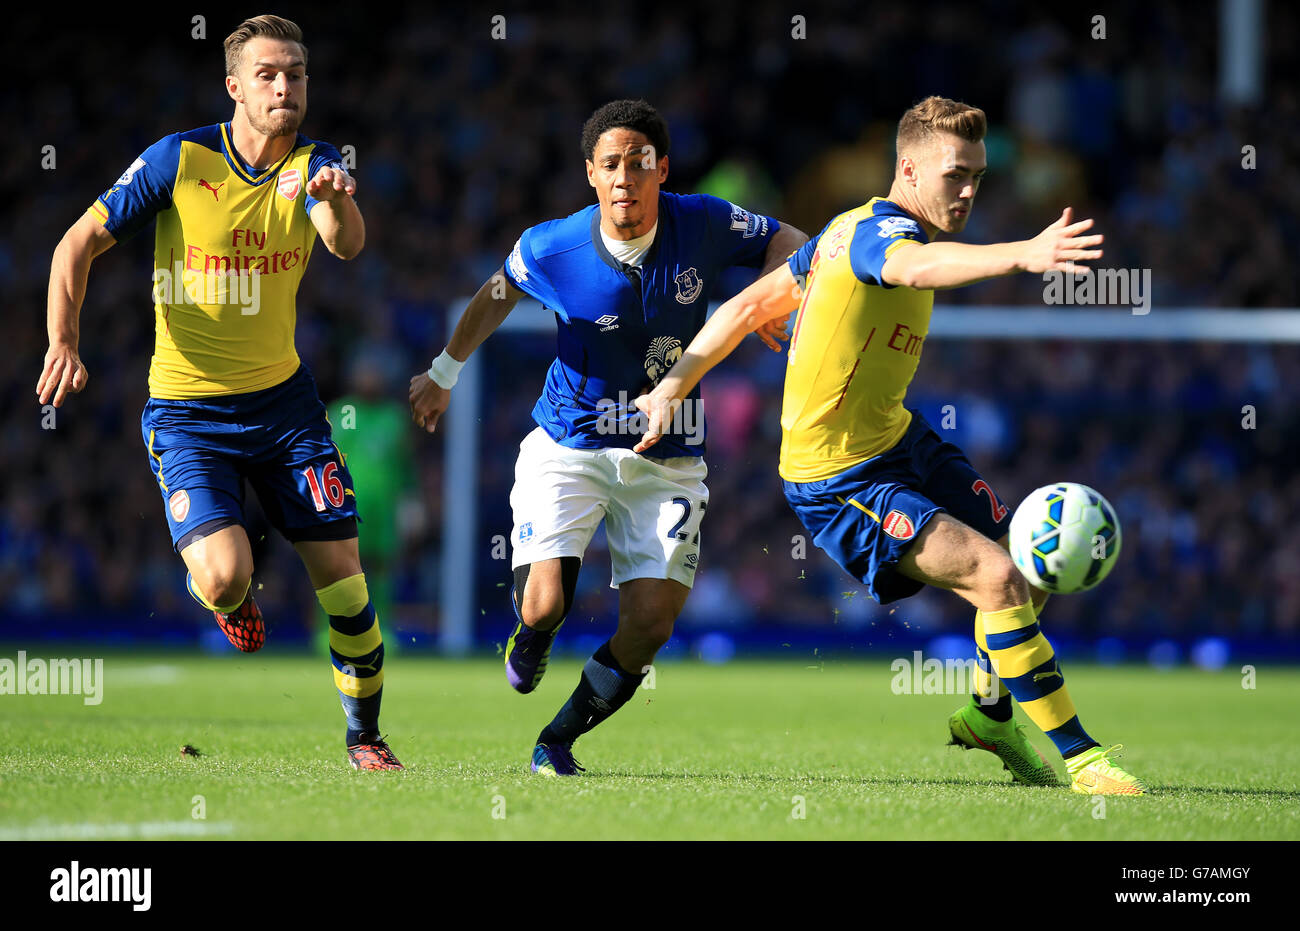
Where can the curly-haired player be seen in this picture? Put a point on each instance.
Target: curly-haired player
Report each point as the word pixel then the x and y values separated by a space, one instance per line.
pixel 629 280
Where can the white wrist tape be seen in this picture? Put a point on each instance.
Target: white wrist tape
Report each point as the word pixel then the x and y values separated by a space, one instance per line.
pixel 445 371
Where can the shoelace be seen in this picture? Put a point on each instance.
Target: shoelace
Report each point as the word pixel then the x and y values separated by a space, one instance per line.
pixel 1105 757
pixel 379 746
pixel 566 756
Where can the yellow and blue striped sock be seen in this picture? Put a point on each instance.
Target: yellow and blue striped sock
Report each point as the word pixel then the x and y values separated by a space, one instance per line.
pixel 997 709
pixel 1026 664
pixel 357 653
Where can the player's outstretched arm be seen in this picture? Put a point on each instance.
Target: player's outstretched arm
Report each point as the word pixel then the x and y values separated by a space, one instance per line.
pixel 63 372
pixel 784 241
pixel 485 312
pixel 774 295
pixel 337 217
pixel 1063 247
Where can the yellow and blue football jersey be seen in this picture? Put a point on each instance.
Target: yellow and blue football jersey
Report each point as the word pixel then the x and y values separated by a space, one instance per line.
pixel 855 346
pixel 230 248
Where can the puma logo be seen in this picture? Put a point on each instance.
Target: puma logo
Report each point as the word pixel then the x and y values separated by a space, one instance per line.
pixel 1045 675
pixel 214 190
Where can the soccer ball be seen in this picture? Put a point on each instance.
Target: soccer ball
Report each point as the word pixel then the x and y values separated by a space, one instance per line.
pixel 1064 538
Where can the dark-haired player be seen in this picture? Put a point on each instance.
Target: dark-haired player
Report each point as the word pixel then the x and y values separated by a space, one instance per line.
pixel 880 491
pixel 629 280
pixel 238 208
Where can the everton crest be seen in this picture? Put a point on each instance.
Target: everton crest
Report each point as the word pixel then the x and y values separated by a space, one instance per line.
pixel 689 286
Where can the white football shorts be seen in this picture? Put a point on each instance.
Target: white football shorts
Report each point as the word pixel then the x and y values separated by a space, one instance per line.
pixel 652 508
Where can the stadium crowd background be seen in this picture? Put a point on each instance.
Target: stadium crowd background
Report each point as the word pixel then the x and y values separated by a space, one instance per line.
pixel 461 142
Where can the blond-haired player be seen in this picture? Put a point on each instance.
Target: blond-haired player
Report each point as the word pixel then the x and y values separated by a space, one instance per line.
pixel 894 504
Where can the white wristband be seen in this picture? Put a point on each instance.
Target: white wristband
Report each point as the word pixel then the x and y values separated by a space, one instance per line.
pixel 445 371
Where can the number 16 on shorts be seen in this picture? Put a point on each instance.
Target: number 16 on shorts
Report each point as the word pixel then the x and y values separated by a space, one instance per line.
pixel 324 484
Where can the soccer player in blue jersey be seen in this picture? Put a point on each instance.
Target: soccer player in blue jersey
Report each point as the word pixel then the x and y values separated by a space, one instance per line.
pixel 238 208
pixel 879 490
pixel 629 280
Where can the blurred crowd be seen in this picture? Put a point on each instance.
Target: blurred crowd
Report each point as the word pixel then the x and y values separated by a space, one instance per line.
pixel 461 141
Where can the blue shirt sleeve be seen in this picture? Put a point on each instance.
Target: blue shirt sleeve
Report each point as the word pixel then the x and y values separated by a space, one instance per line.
pixel 324 154
pixel 741 237
pixel 875 239
pixel 800 261
pixel 142 191
pixel 525 273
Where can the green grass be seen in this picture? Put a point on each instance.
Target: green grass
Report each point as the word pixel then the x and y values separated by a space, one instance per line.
pixel 711 752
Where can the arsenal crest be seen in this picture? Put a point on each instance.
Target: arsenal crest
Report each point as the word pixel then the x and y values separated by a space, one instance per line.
pixel 289 183
pixel 898 525
pixel 179 503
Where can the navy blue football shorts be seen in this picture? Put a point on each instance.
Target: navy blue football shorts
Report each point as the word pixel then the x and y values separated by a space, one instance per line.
pixel 202 449
pixel 867 516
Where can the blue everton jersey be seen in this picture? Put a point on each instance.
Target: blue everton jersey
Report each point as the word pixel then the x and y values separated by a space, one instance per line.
pixel 621 327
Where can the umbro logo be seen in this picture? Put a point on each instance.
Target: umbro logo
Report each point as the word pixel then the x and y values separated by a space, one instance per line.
pixel 607 323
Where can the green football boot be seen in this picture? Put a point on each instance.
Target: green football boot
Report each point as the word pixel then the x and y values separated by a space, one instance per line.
pixel 971 729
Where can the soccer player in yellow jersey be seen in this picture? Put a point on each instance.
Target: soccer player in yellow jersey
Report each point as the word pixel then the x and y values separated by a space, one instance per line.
pixel 238 208
pixel 896 506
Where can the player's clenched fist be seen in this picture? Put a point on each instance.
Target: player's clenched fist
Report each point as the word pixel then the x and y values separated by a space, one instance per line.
pixel 331 183
pixel 1062 246
pixel 428 401
pixel 63 373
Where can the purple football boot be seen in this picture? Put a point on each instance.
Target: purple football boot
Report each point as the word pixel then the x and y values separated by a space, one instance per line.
pixel 527 653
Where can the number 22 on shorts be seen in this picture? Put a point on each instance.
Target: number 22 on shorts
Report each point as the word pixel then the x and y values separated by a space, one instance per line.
pixel 998 508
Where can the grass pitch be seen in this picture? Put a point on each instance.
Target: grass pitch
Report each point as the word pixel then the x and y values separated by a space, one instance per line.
pixel 738 751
